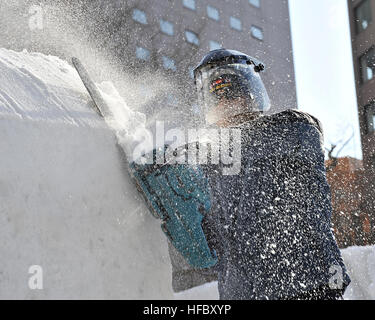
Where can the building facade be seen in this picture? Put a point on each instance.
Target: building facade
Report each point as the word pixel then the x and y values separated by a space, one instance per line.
pixel 182 31
pixel 351 224
pixel 178 33
pixel 167 37
pixel 362 26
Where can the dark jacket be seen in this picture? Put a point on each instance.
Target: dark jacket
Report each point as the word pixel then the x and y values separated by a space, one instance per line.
pixel 270 224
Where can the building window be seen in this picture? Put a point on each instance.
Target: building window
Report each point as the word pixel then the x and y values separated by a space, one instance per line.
pixel 171 99
pixel 363 16
pixel 235 23
pixel 166 27
pixel 139 16
pixel 213 13
pixel 190 4
pixel 257 32
pixel 168 63
pixel 370 118
pixel 191 72
pixel 215 45
pixel 142 53
pixel 255 3
pixel 367 65
pixel 192 37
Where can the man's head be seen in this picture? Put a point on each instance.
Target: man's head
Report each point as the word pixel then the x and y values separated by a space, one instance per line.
pixel 229 85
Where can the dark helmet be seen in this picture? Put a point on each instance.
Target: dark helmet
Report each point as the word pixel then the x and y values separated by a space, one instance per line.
pixel 230 74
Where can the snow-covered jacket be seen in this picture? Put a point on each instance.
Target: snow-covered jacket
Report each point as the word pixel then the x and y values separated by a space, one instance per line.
pixel 270 224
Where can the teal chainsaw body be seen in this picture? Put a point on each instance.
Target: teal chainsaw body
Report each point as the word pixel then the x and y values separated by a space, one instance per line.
pixel 178 194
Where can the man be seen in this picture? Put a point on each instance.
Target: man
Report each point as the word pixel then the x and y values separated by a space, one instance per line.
pixel 269 224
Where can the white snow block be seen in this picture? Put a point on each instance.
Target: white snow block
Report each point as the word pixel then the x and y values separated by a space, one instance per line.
pixel 66 201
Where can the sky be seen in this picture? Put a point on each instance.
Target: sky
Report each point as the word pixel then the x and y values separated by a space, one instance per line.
pixel 324 70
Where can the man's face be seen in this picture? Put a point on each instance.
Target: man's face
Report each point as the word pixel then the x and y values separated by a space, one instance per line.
pixel 231 106
pixel 227 108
